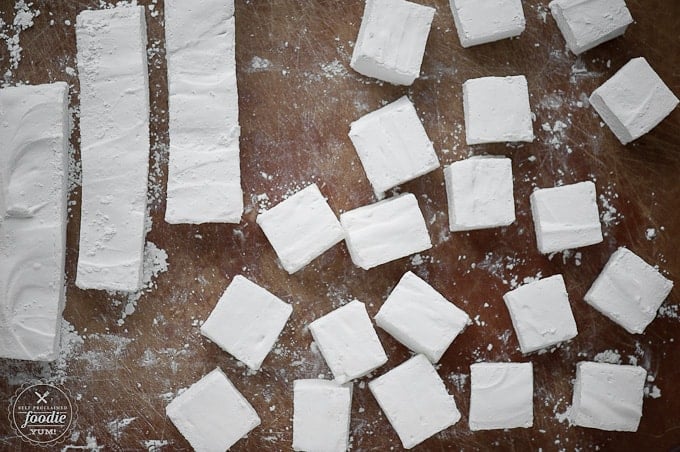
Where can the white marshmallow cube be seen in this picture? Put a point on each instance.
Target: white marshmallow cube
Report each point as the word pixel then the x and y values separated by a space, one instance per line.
pixel 482 21
pixel 321 415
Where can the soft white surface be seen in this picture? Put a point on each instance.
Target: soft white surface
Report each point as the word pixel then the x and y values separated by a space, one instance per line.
pixel 393 145
pixel 482 21
pixel 566 217
pixel 348 342
pixel 204 180
pixel 419 317
pixel 415 401
pixel 114 136
pixel 391 41
pixel 301 228
pixel 246 321
pixel 629 291
pixel 212 414
pixel 608 396
pixel 34 133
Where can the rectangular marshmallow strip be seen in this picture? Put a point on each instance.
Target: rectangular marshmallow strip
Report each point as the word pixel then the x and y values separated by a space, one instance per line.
pixel 321 415
pixel 482 21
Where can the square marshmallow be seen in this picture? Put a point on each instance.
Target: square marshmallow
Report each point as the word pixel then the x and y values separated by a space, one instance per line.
pixel 246 321
pixel 301 228
pixel 393 145
pixel 629 291
pixel 479 192
pixel 501 396
pixel 541 314
pixel 385 231
pixel 212 414
pixel 588 23
pixel 633 101
pixel 608 396
pixel 497 110
pixel 415 401
pixel 348 342
pixel 482 21
pixel 419 317
pixel 391 41
pixel 566 217
pixel 321 415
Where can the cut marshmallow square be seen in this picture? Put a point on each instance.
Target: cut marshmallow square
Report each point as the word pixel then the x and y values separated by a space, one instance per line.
pixel 479 192
pixel 419 317
pixel 348 342
pixel 415 401
pixel 246 321
pixel 321 415
pixel 212 414
pixel 501 396
pixel 608 396
pixel 385 231
pixel 629 291
pixel 392 145
pixel 497 110
pixel 391 41
pixel 482 21
pixel 301 228
pixel 566 217
pixel 633 101
pixel 541 314
pixel 588 23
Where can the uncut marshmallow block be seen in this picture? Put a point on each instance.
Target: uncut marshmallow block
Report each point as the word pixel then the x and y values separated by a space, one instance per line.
pixel 497 110
pixel 608 396
pixel 482 21
pixel 415 401
pixel 34 132
pixel 321 415
pixel 501 396
pixel 348 342
pixel 301 228
pixel 588 23
pixel 114 135
pixel 479 193
pixel 391 41
pixel 204 176
pixel 393 146
pixel 212 414
pixel 633 101
pixel 566 217
pixel 385 231
pixel 246 321
pixel 629 291
pixel 419 317
pixel 541 314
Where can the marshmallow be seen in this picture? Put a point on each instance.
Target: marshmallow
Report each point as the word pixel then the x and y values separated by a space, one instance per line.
pixel 321 415
pixel 482 21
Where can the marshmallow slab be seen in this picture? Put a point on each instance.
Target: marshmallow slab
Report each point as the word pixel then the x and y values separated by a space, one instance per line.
pixel 501 396
pixel 633 101
pixel 391 41
pixel 301 228
pixel 392 145
pixel 629 291
pixel 588 23
pixel 34 132
pixel 608 396
pixel 348 342
pixel 541 314
pixel 321 415
pixel 566 217
pixel 479 193
pixel 212 414
pixel 419 317
pixel 246 321
pixel 114 136
pixel 482 21
pixel 497 110
pixel 385 231
pixel 415 401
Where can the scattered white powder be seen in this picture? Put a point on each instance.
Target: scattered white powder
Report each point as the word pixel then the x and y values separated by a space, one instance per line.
pixel 458 380
pixel 650 234
pixel 669 311
pixel 652 391
pixel 608 356
pixel 333 69
pixel 155 445
pixel 258 64
pixel 116 427
pixel 11 33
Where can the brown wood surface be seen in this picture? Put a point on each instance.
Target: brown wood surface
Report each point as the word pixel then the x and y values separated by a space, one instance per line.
pixel 295 116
